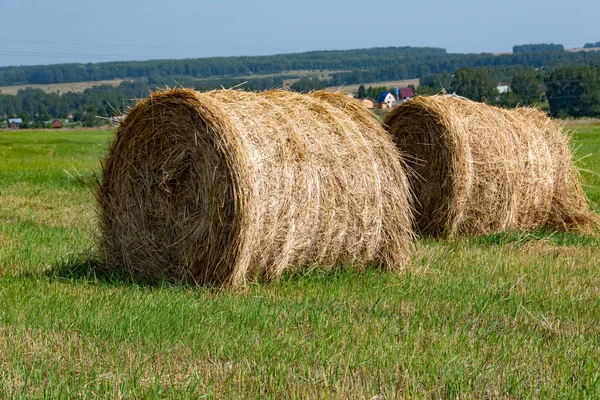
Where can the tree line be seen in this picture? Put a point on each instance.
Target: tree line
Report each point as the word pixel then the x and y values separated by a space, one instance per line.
pixel 591 45
pixel 528 48
pixel 572 91
pixel 470 75
pixel 452 62
pixel 35 106
pixel 352 66
pixel 218 66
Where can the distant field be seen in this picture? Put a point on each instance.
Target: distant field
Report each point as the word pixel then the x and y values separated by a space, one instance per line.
pixel 60 87
pixel 78 87
pixel 322 74
pixel 573 50
pixel 582 49
pixel 354 88
pixel 507 316
pixel 318 73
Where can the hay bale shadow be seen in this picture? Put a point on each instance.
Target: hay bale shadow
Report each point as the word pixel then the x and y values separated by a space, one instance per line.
pixel 522 237
pixel 331 274
pixel 90 269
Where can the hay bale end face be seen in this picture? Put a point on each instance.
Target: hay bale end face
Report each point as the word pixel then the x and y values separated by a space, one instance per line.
pixel 217 187
pixel 477 169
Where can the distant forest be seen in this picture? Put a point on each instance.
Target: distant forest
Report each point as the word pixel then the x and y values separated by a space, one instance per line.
pixel 361 65
pixel 528 48
pixel 452 62
pixel 219 66
pixel 259 73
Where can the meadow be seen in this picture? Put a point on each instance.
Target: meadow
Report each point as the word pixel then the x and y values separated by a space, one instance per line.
pixel 75 87
pixel 513 315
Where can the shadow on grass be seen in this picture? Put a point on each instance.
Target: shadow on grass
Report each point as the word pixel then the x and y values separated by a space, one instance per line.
pixel 90 269
pixel 521 238
pixel 333 275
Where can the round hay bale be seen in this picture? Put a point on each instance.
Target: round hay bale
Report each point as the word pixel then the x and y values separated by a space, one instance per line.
pixel 476 169
pixel 217 187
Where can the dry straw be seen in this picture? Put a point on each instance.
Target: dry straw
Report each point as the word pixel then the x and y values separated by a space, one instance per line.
pixel 217 187
pixel 478 169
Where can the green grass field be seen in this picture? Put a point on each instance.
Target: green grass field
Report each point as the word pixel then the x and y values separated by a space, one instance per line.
pixel 502 316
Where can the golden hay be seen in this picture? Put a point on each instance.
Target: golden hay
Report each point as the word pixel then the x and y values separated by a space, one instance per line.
pixel 477 169
pixel 215 188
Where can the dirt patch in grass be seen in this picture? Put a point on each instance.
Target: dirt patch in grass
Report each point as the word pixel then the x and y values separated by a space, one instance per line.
pixel 76 87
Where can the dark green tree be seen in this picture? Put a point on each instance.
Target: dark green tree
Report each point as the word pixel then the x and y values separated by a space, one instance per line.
pixel 425 90
pixel 25 118
pixel 439 81
pixel 77 116
pixel 528 48
pixel 89 117
pixel 526 84
pixel 36 124
pixel 304 85
pixel 474 84
pixel 43 115
pixel 574 91
pixel 362 92
pixel 375 92
pixel 509 100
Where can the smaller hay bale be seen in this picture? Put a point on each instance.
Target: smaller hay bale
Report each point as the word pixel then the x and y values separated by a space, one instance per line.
pixel 215 188
pixel 477 169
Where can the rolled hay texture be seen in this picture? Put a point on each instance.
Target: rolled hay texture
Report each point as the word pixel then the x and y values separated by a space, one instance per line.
pixel 477 169
pixel 217 187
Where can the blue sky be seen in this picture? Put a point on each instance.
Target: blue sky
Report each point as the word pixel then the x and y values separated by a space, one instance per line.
pixel 48 32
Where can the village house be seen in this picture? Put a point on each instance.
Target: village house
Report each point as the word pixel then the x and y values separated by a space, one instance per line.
pixel 502 87
pixel 14 123
pixel 386 100
pixel 404 94
pixel 56 124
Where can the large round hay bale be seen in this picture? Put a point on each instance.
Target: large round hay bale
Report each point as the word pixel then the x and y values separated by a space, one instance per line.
pixel 476 169
pixel 217 187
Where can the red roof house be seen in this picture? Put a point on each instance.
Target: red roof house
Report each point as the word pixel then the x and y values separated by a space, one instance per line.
pixel 406 93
